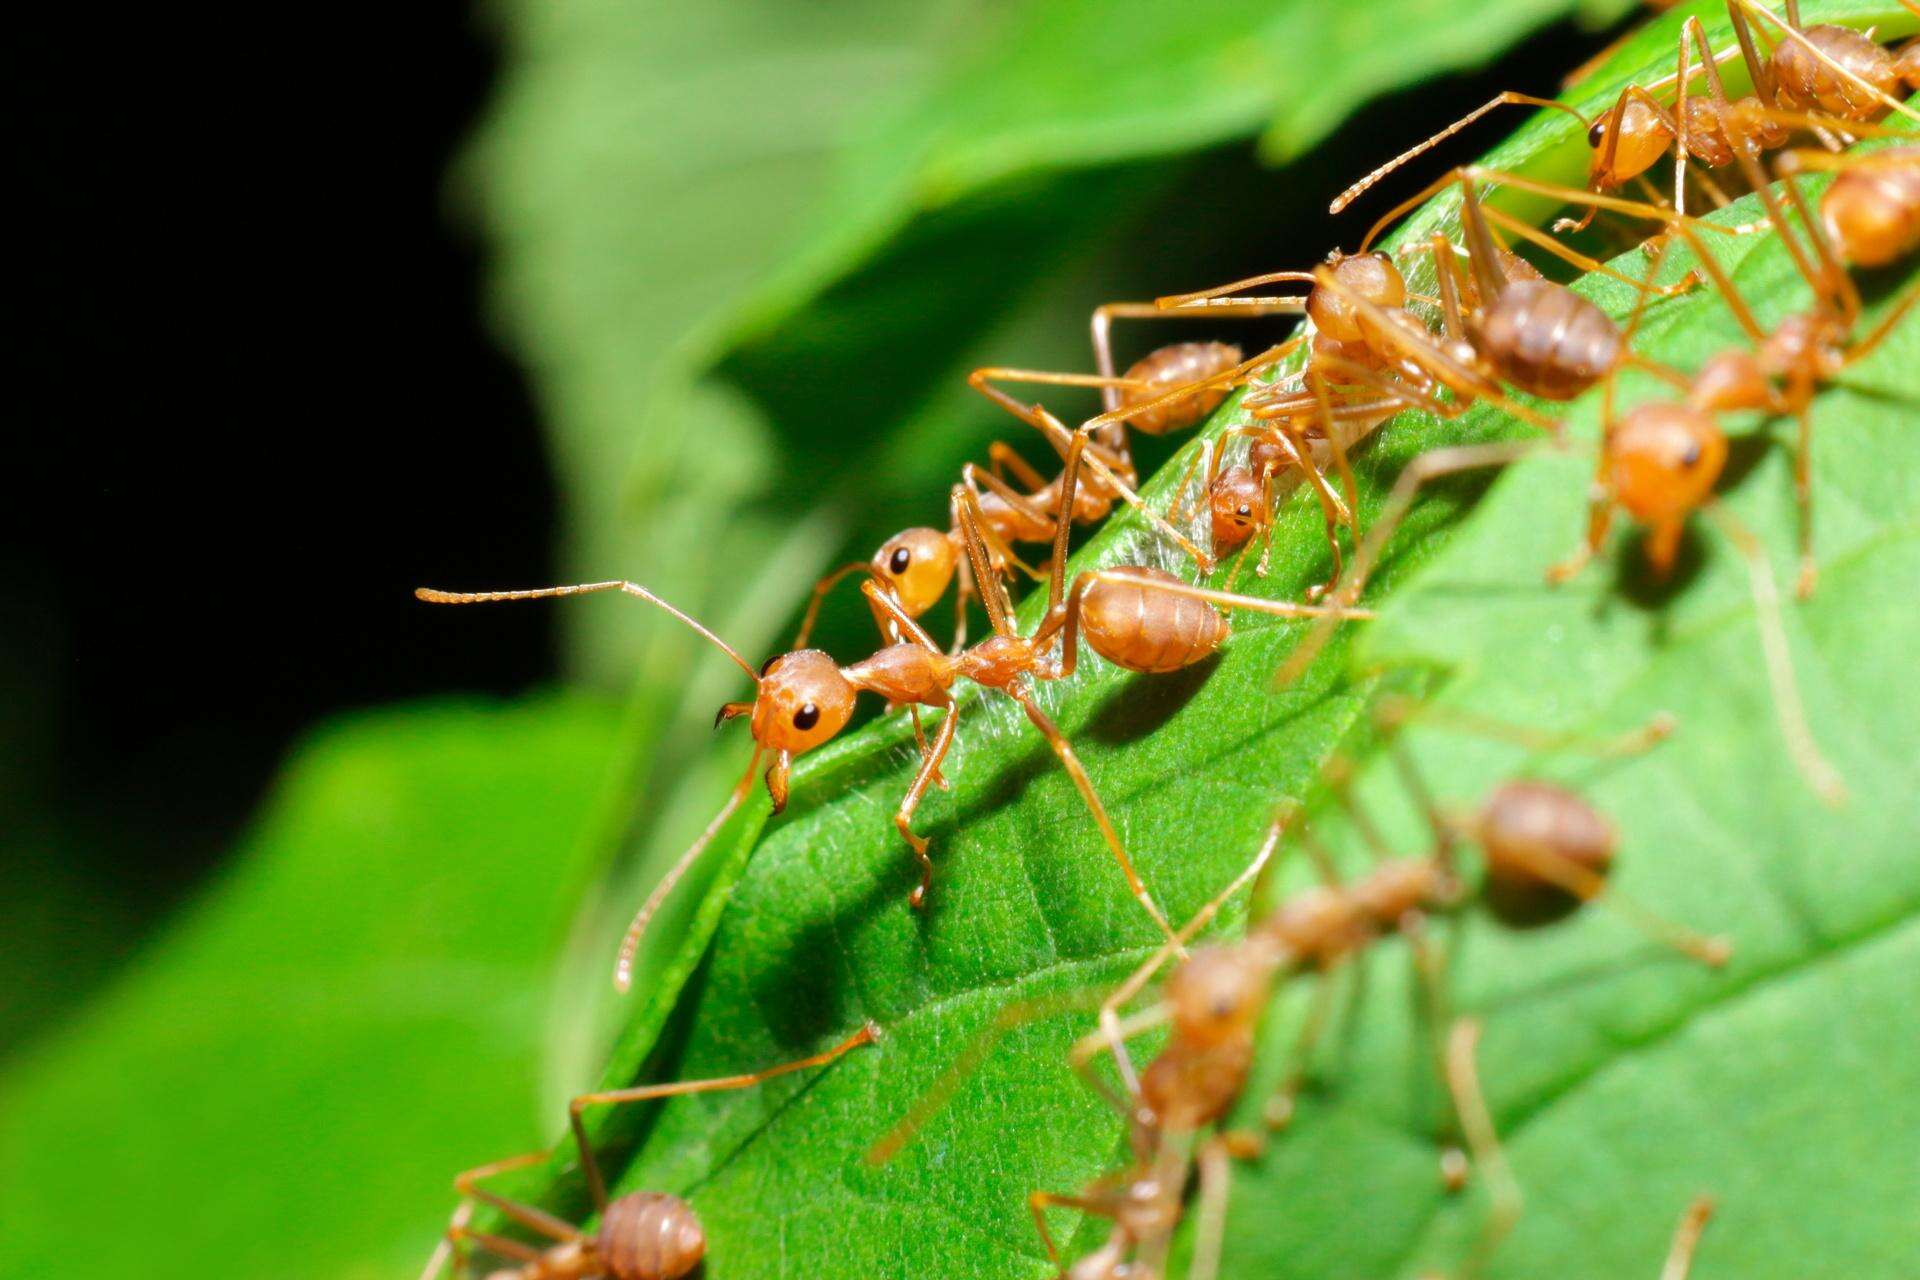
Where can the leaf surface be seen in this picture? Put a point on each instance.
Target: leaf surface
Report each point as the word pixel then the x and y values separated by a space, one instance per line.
pixel 1599 1051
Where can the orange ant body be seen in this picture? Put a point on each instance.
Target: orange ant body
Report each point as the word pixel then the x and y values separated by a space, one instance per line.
pixel 1825 78
pixel 1138 618
pixel 919 564
pixel 1661 461
pixel 643 1235
pixel 1546 852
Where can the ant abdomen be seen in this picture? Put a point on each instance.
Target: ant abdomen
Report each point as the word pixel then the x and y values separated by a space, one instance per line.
pixel 1545 339
pixel 1371 277
pixel 1802 82
pixel 1132 625
pixel 1526 828
pixel 1176 366
pixel 649 1235
pixel 1872 213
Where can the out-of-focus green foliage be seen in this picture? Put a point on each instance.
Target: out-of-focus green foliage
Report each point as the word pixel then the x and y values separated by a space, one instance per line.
pixel 286 1083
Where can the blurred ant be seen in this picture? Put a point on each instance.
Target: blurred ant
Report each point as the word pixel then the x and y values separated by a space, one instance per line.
pixel 1546 852
pixel 643 1235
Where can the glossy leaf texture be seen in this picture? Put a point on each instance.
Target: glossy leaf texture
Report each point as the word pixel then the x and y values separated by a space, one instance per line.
pixel 748 329
pixel 1630 1081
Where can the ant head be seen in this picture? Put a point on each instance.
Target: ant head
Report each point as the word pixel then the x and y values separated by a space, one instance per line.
pixel 1234 499
pixel 1217 993
pixel 1664 458
pixel 1537 836
pixel 802 701
pixel 1370 277
pixel 918 564
pixel 1641 139
pixel 647 1235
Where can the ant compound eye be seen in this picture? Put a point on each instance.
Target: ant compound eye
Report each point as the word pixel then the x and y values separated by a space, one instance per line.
pixel 1691 457
pixel 900 559
pixel 806 717
pixel 1597 134
pixel 1244 511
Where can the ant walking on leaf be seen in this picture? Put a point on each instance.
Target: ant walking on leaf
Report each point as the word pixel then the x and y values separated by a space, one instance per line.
pixel 1141 619
pixel 1545 853
pixel 642 1235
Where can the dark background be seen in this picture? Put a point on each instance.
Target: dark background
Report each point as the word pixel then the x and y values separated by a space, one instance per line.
pixel 275 407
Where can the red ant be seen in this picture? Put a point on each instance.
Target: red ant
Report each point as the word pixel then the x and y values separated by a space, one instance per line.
pixel 643 1235
pixel 1546 853
pixel 1834 76
pixel 1140 618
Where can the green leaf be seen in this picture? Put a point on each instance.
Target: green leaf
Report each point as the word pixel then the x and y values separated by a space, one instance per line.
pixel 295 1070
pixel 767 307
pixel 1630 1081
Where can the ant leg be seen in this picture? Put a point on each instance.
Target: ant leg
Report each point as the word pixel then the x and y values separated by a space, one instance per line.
pixel 596 1184
pixel 1225 378
pixel 1038 1202
pixel 1470 1107
pixel 1113 1039
pixel 820 590
pixel 1003 461
pixel 1395 711
pixel 1528 232
pixel 1353 192
pixel 1077 772
pixel 975 480
pixel 1589 886
pixel 1203 461
pixel 1883 326
pixel 1686 1238
pixel 992 589
pixel 1433 995
pixel 1278 1110
pixel 903 816
pixel 468 1184
pixel 460 1235
pixel 1809 575
pixel 1847 76
pixel 1432 465
pixel 1062 440
pixel 1110 1023
pixel 1215 1184
pixel 978 1048
pixel 1788 708
pixel 1232 308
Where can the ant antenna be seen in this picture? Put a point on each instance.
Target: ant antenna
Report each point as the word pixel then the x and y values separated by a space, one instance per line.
pixel 432 596
pixel 1360 188
pixel 1820 775
pixel 630 941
